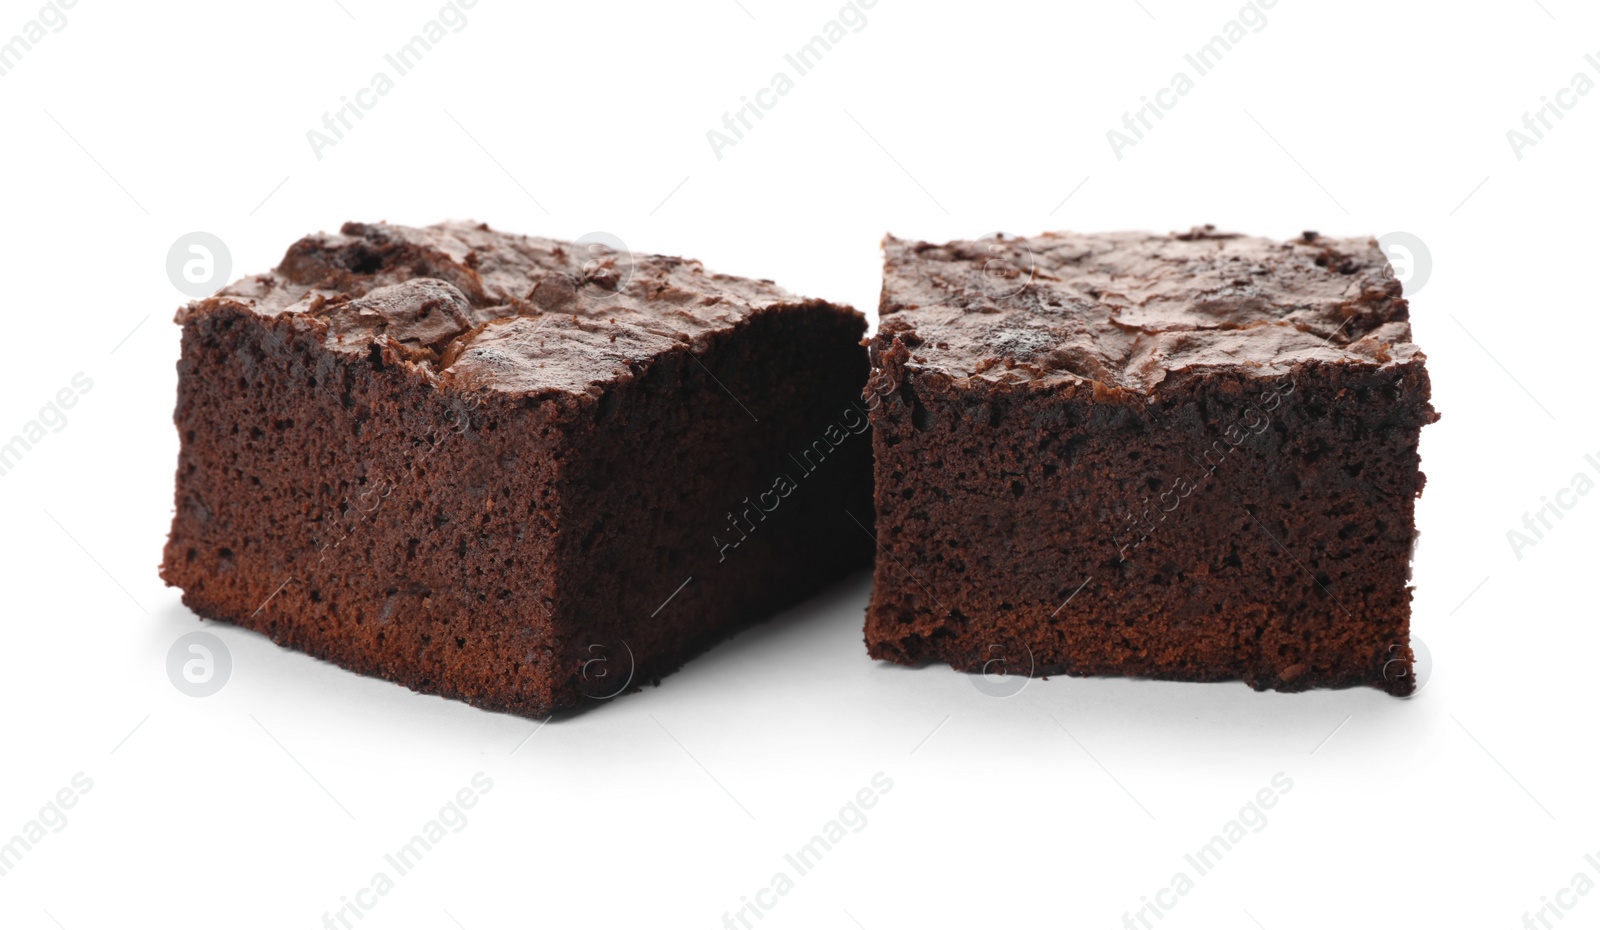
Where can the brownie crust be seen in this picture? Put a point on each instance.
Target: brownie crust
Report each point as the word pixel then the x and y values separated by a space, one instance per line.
pixel 1189 457
pixel 496 467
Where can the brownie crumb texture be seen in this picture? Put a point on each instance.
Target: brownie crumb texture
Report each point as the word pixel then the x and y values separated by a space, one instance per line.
pixel 523 473
pixel 1190 457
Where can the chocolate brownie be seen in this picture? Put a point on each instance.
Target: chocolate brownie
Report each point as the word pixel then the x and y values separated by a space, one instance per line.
pixel 513 471
pixel 1188 457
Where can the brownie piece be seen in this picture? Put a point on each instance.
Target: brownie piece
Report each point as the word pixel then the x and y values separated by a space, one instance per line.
pixel 509 470
pixel 1189 457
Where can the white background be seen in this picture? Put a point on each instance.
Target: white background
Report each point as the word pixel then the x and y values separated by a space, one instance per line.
pixel 1065 805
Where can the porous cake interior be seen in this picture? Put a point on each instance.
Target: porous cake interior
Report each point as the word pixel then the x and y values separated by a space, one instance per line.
pixel 1190 456
pixel 479 466
pixel 1260 532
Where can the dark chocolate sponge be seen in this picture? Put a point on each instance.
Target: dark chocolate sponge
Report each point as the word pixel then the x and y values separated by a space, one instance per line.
pixel 509 470
pixel 1189 457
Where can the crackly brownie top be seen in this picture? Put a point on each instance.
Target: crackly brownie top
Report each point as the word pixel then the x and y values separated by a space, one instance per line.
pixel 1129 310
pixel 467 304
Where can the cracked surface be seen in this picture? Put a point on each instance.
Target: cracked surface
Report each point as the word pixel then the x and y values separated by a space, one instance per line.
pixel 1190 457
pixel 468 304
pixel 1132 310
pixel 499 469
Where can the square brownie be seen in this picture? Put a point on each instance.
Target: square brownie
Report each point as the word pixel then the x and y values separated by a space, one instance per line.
pixel 1188 457
pixel 513 471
